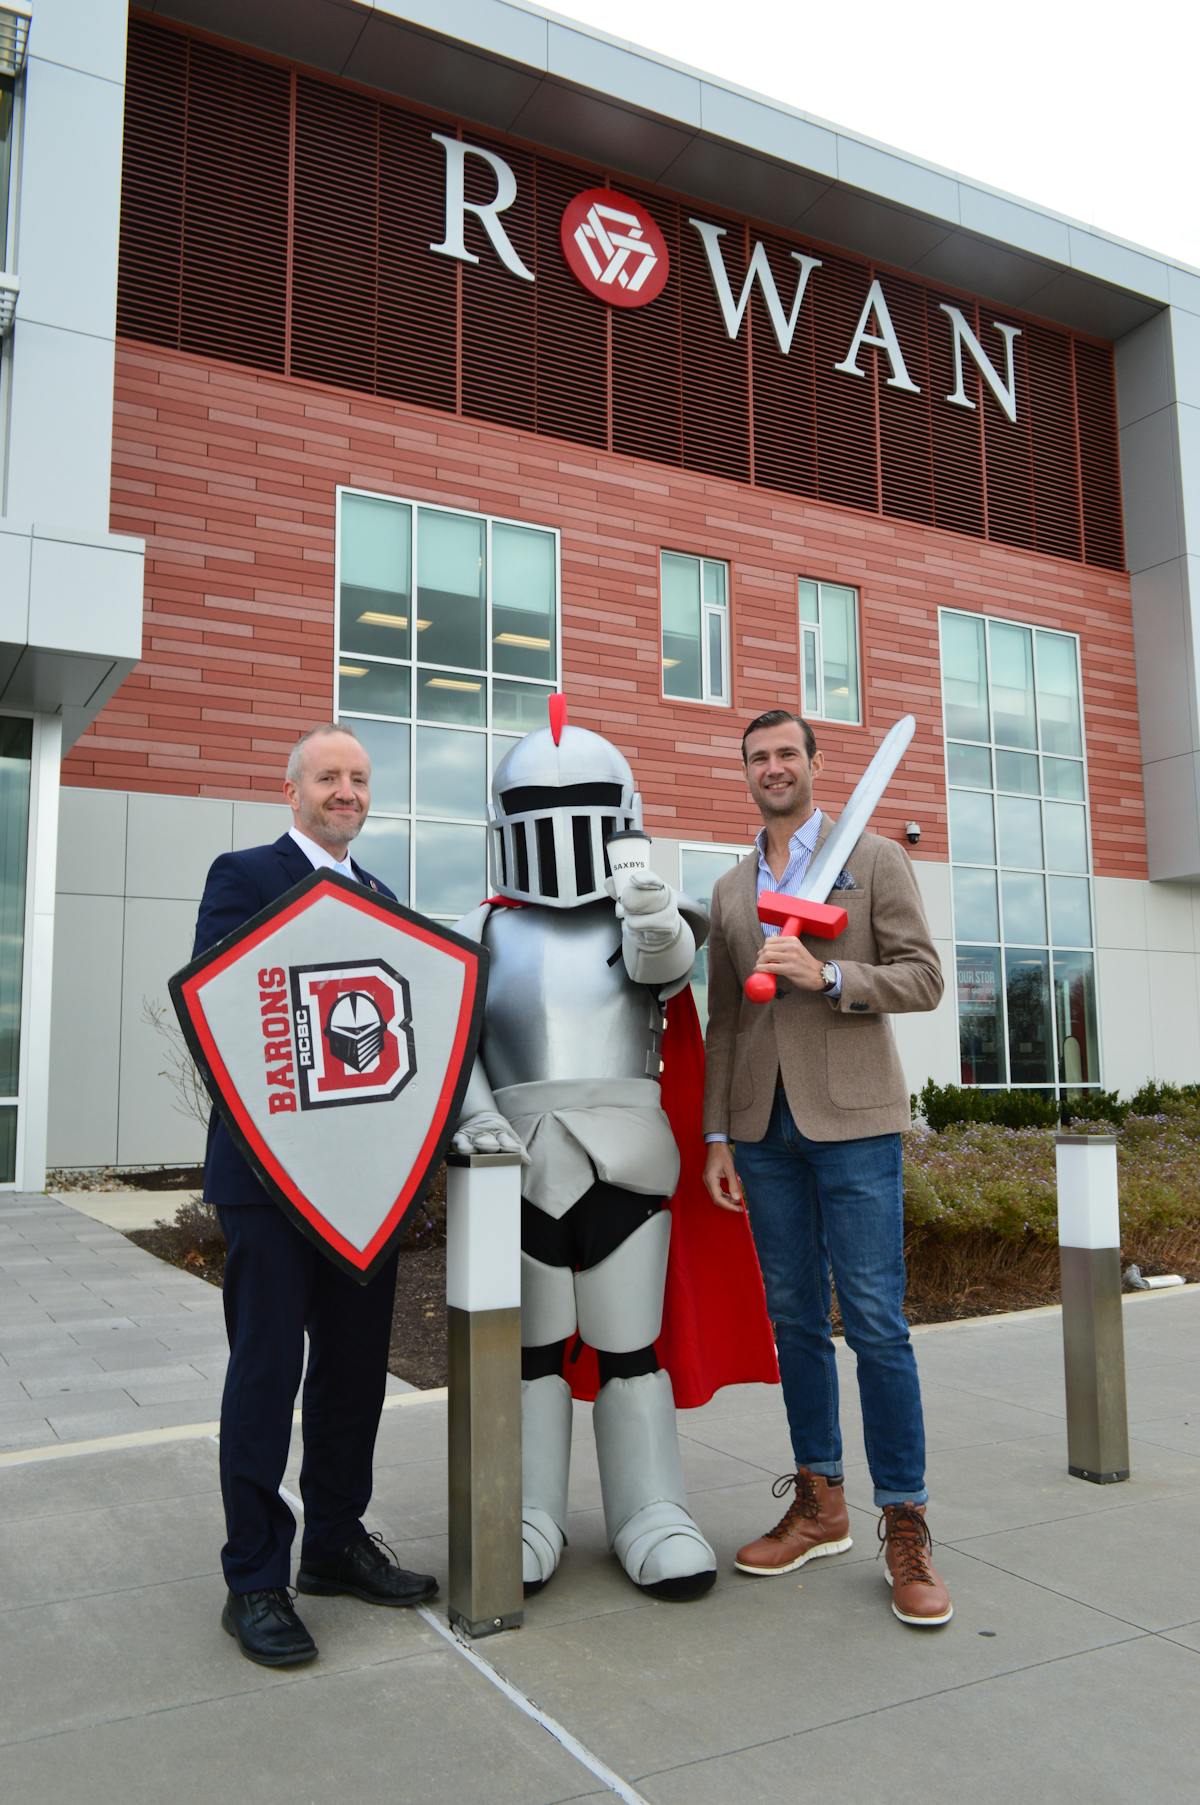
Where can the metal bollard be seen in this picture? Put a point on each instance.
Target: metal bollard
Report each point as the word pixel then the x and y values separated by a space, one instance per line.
pixel 1089 1240
pixel 483 1309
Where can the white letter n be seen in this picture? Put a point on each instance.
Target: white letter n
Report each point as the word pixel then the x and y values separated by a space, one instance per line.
pixel 1005 392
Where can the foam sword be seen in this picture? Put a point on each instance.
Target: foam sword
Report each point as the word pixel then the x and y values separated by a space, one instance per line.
pixel 807 912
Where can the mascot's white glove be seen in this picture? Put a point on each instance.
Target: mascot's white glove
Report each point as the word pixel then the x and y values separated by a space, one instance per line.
pixel 648 911
pixel 656 941
pixel 488 1132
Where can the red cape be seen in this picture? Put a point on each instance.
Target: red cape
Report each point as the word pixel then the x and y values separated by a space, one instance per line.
pixel 715 1326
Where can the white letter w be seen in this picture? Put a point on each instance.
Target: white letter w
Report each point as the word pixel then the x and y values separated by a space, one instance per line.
pixel 734 312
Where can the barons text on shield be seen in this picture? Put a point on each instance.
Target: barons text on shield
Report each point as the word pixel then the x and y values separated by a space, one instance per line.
pixel 335 1034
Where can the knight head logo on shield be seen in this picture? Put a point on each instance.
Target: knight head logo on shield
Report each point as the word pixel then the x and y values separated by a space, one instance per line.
pixel 353 1033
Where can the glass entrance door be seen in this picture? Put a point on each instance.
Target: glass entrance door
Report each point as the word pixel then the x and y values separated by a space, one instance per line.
pixel 16 752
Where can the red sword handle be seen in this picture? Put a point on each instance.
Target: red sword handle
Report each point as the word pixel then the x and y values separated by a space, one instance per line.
pixel 760 986
pixel 826 920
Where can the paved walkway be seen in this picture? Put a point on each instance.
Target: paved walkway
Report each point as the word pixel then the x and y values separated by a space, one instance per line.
pixel 1071 1670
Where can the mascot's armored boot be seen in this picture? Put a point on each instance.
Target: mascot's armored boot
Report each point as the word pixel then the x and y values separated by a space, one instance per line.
pixel 650 1529
pixel 568 1075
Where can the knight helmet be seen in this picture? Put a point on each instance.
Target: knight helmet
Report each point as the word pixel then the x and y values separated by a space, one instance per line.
pixel 557 798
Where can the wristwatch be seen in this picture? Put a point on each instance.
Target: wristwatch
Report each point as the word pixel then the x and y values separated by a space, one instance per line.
pixel 829 975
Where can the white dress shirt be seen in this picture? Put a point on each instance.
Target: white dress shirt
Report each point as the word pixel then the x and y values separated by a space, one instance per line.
pixel 319 859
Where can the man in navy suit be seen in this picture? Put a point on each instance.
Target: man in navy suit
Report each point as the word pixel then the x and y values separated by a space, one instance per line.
pixel 277 1286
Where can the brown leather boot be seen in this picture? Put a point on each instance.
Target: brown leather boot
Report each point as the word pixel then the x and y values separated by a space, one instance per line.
pixel 816 1522
pixel 918 1595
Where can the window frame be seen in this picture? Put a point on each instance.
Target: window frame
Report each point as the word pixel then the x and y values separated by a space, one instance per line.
pixel 1060 1087
pixel 737 853
pixel 816 711
pixel 413 720
pixel 707 611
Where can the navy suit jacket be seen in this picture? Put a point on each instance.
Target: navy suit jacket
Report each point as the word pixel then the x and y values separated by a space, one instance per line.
pixel 238 885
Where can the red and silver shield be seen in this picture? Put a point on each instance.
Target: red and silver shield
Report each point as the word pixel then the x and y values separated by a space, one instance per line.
pixel 336 1032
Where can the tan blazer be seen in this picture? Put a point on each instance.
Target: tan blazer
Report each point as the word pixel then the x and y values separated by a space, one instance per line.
pixel 838 1060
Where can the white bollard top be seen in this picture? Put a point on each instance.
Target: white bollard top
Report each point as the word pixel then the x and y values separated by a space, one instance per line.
pixel 483 1231
pixel 1088 1211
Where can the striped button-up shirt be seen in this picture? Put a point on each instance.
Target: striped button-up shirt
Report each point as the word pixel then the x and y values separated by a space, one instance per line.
pixel 801 847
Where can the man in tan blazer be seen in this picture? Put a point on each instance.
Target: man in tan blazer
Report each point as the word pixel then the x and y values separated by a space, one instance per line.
pixel 810 1090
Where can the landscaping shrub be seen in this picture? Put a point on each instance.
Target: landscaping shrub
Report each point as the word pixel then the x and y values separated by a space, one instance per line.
pixel 982 1176
pixel 947 1105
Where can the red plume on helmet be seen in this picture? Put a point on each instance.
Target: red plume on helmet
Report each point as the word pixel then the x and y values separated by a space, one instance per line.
pixel 558 716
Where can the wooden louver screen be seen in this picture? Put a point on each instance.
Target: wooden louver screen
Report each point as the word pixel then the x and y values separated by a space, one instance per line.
pixel 284 221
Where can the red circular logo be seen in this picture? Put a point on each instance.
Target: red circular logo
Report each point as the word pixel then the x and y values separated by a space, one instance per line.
pixel 613 248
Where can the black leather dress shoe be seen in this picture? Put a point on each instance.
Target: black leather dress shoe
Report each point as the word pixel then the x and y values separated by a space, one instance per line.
pixel 267 1629
pixel 368 1570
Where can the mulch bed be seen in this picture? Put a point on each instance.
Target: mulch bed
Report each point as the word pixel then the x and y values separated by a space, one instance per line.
pixel 948 1280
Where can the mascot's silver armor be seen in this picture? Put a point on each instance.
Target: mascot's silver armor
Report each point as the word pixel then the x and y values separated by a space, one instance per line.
pixel 568 1075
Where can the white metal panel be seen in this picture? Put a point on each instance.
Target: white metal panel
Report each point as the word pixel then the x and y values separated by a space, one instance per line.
pixel 1150 490
pixel 60 438
pixel 1164 644
pixel 85 1064
pixel 1120 912
pixel 1169 925
pixel 15 558
pixel 172 842
pixel 1173 815
pixel 1143 360
pixel 1174 1016
pixel 86 596
pixel 158 940
pixel 89 37
pixel 91 842
pixel 70 199
pixel 1126 1031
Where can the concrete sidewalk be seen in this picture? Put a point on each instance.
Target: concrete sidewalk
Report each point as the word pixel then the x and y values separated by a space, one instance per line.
pixel 1070 1672
pixel 98 1338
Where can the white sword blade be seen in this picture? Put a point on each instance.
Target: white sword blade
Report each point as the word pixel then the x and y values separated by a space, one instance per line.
pixel 819 879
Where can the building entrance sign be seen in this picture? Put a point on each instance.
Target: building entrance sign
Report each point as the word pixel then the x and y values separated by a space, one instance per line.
pixel 336 1032
pixel 614 248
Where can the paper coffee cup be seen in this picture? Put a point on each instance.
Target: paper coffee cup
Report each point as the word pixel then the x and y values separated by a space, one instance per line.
pixel 628 855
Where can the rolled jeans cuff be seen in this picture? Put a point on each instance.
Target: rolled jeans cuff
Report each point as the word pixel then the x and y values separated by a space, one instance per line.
pixel 826 1469
pixel 920 1496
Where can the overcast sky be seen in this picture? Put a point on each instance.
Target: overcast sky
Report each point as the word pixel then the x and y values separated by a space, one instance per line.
pixel 1092 110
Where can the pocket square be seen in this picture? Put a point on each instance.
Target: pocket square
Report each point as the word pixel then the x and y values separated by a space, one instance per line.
pixel 843 881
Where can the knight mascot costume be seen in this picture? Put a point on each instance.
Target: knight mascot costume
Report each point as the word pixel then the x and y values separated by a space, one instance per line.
pixel 579 1024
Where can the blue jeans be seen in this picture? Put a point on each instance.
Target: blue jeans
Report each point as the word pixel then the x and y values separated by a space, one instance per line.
pixel 814 1205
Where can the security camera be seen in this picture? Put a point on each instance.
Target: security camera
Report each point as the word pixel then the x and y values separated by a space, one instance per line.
pixel 912 832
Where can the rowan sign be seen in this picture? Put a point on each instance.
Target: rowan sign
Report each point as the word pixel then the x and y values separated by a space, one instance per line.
pixel 615 250
pixel 336 1032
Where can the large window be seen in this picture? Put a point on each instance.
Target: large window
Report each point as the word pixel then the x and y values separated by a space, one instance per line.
pixel 1019 848
pixel 699 869
pixel 448 646
pixel 695 628
pixel 829 685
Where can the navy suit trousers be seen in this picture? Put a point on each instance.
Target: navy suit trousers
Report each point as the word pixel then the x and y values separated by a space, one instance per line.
pixel 277 1286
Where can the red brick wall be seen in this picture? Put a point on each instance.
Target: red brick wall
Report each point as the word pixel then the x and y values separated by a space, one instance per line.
pixel 230 476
